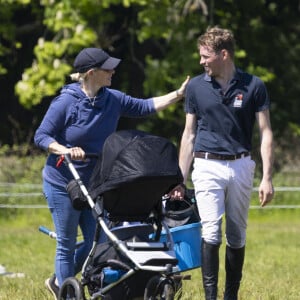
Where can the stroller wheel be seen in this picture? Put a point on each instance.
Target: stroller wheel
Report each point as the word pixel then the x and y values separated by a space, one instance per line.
pixel 71 289
pixel 160 288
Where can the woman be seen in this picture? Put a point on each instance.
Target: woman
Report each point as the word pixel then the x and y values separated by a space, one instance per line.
pixel 77 122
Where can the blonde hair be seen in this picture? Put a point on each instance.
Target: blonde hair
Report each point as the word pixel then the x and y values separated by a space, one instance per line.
pixel 78 76
pixel 81 76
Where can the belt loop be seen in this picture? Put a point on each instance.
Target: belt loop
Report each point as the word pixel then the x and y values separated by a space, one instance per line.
pixel 206 155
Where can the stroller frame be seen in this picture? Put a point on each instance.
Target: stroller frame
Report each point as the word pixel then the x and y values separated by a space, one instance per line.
pixel 151 256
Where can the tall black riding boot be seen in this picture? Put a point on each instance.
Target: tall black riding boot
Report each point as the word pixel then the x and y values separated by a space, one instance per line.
pixel 234 261
pixel 210 269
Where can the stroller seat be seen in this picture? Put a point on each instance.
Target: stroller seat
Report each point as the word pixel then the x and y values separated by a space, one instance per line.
pixel 145 251
pixel 136 231
pixel 134 201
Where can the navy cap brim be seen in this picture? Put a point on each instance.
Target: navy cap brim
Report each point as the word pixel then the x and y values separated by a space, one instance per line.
pixel 111 63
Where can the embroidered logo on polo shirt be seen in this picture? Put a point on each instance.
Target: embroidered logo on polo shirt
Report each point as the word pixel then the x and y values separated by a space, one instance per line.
pixel 238 100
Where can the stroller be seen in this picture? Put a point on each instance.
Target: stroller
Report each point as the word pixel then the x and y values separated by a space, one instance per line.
pixel 134 171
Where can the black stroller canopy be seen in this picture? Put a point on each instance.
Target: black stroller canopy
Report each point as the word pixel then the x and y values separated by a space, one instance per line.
pixel 134 164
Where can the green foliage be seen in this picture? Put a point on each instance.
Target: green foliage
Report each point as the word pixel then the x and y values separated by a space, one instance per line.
pixel 9 31
pixel 51 66
pixel 157 42
pixel 295 128
pixel 261 72
pixel 23 2
pixel 74 24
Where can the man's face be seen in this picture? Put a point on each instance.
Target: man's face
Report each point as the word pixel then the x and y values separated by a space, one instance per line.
pixel 211 61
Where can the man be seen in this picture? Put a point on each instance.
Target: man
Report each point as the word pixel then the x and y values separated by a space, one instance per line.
pixel 221 107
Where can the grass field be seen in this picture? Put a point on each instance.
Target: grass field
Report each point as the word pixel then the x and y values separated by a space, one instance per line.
pixel 271 269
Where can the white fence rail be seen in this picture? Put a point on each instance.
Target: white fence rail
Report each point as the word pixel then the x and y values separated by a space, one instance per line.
pixel 38 193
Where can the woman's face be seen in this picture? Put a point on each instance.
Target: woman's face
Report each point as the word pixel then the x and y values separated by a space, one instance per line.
pixel 102 77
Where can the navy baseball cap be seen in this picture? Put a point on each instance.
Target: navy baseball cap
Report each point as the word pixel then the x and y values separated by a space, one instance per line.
pixel 89 58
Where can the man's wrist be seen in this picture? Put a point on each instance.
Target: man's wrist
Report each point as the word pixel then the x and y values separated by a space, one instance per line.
pixel 183 185
pixel 178 94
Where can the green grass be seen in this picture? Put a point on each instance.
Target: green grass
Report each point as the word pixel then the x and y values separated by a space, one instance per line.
pixel 25 250
pixel 271 269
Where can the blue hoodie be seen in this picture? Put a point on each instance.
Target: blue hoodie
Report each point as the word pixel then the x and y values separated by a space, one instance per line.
pixel 75 120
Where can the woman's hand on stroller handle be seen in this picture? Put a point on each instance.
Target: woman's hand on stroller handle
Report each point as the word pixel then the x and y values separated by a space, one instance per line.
pixel 75 154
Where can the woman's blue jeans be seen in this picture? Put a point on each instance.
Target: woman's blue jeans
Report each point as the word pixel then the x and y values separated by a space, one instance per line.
pixel 69 258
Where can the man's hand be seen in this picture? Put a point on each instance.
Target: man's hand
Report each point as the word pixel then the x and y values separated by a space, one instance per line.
pixel 265 192
pixel 177 193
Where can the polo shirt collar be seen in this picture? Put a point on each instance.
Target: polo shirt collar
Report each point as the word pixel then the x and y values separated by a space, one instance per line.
pixel 237 76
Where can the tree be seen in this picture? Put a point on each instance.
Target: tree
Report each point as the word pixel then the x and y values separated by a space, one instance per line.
pixel 157 42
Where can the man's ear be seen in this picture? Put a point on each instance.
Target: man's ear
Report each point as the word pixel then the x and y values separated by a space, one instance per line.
pixel 225 54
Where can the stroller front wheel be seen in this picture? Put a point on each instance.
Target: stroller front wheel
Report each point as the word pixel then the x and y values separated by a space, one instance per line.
pixel 71 289
pixel 160 288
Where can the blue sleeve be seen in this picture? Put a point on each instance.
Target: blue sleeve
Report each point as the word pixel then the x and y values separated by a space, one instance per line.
pixel 136 107
pixel 53 122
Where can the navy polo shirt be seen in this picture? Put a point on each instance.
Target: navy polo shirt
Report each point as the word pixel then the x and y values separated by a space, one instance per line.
pixel 225 121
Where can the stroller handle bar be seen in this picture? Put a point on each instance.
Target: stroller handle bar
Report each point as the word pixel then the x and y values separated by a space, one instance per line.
pixel 67 157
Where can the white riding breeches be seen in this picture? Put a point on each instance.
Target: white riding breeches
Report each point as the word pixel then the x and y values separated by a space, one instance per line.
pixel 223 187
